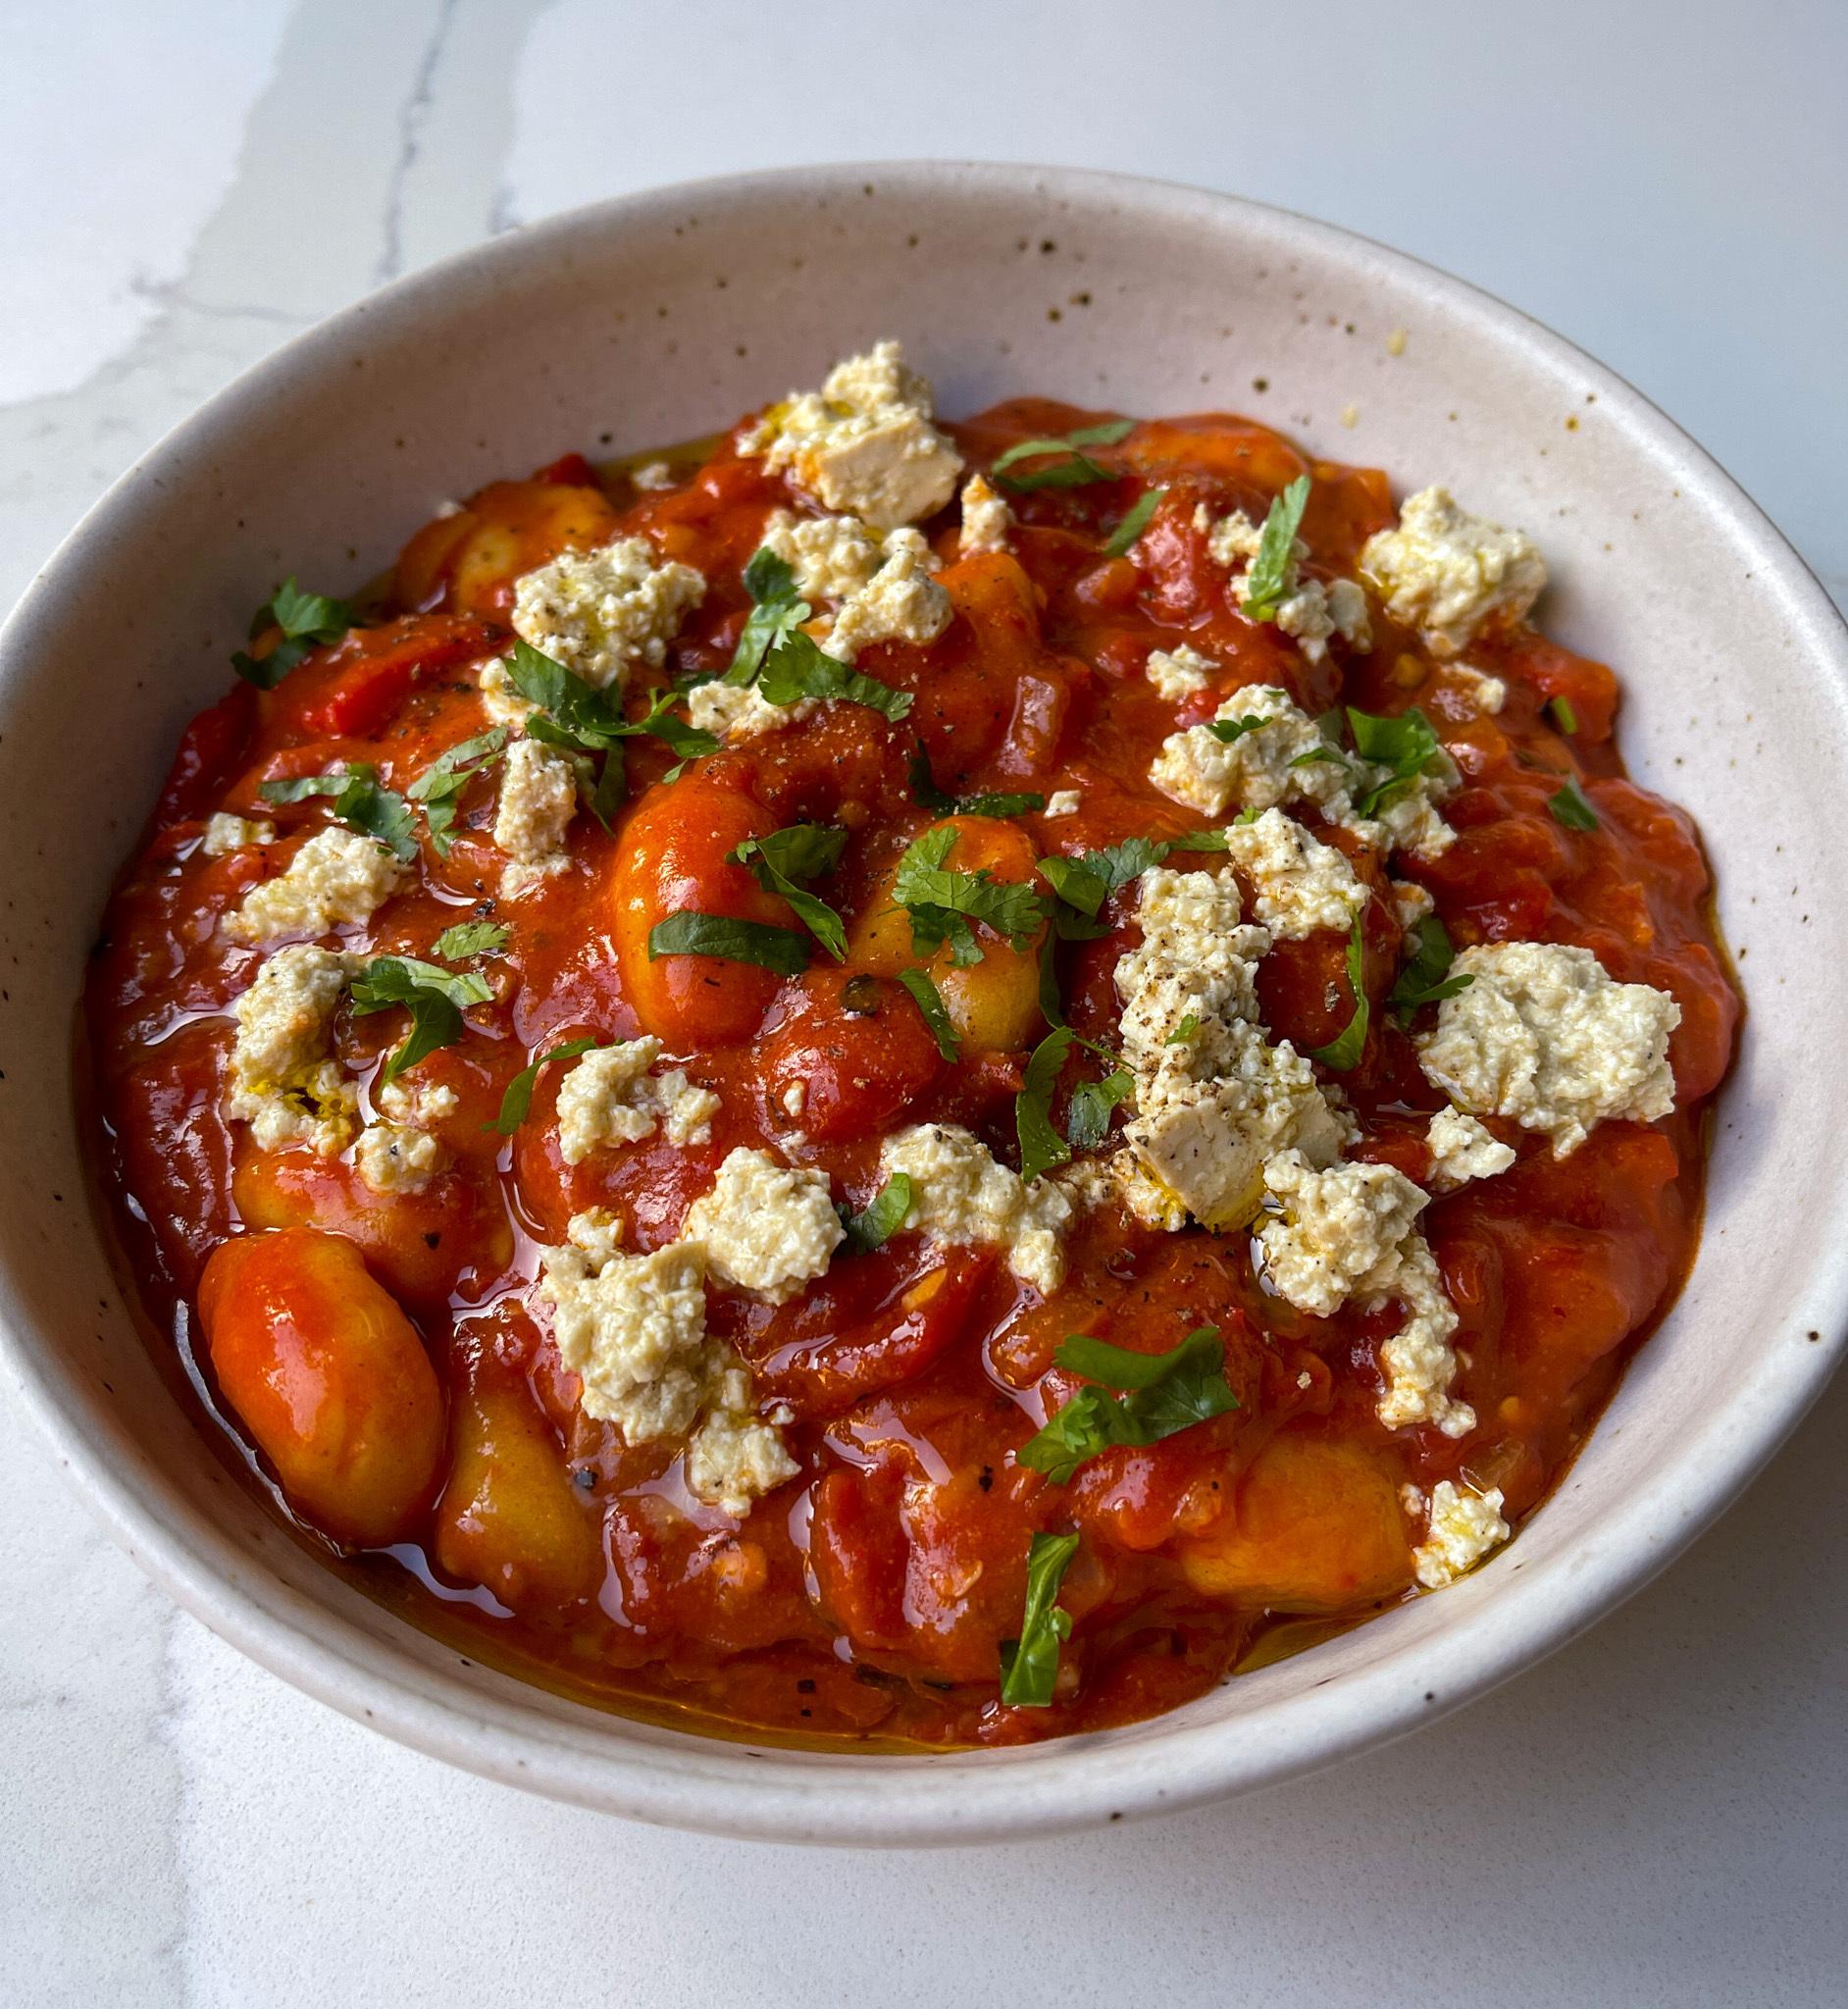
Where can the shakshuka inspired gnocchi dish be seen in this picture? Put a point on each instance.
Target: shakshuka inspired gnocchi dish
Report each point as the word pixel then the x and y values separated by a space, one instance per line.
pixel 918 1082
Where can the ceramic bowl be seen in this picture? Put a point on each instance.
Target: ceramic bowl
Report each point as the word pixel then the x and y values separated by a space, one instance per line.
pixel 657 317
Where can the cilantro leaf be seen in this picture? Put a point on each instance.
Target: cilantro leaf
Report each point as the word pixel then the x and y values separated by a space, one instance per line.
pixel 727 940
pixel 930 797
pixel 1165 1394
pixel 308 621
pixel 802 850
pixel 1272 573
pixel 517 1101
pixel 440 787
pixel 1405 743
pixel 470 938
pixel 943 904
pixel 797 668
pixel 1135 522
pixel 777 609
pixel 1570 809
pixel 1088 1120
pixel 577 717
pixel 1344 1050
pixel 1084 883
pixel 881 1219
pixel 359 801
pixel 929 1000
pixel 1426 978
pixel 1227 731
pixel 1030 1663
pixel 434 997
pixel 1184 1031
pixel 1041 1146
pixel 1072 468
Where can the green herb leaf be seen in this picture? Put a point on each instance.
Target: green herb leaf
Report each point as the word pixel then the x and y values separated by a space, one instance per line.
pixel 308 621
pixel 1088 1120
pixel 930 797
pixel 517 1101
pixel 929 999
pixel 1404 743
pixel 1168 1393
pixel 434 997
pixel 802 850
pixel 1344 1050
pixel 882 1218
pixel 943 904
pixel 1135 522
pixel 1425 979
pixel 796 668
pixel 1030 1663
pixel 778 610
pixel 1570 809
pixel 359 801
pixel 727 940
pixel 1563 714
pixel 1272 575
pixel 440 787
pixel 1185 1031
pixel 1228 730
pixel 1041 1146
pixel 470 938
pixel 1072 468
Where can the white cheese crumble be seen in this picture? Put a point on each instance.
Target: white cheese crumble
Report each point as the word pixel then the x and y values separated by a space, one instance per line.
pixel 1417 1361
pixel 1063 802
pixel 1464 1527
pixel 1542 1034
pixel 736 1456
pixel 1412 903
pixel 392 1159
pixel 226 833
pixel 1299 884
pixel 1462 1150
pixel 503 704
pixel 603 612
pixel 282 1079
pixel 864 442
pixel 1177 673
pixel 900 603
pixel 651 474
pixel 610 1097
pixel 988 522
pixel 740 711
pixel 1232 541
pixel 415 1102
pixel 1447 573
pixel 831 556
pixel 1485 693
pixel 1311 612
pixel 960 1193
pixel 1271 764
pixel 767 1227
pixel 338 877
pixel 539 797
pixel 1336 1229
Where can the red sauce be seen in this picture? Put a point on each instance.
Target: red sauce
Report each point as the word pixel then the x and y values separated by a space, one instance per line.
pixel 870 1597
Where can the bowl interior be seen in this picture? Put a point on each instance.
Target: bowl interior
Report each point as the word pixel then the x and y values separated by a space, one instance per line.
pixel 661 317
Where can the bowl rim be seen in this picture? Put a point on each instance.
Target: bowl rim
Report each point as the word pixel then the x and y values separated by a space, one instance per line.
pixel 734 1788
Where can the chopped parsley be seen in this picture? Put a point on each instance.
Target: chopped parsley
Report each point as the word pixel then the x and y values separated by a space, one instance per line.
pixel 1405 745
pixel 797 668
pixel 470 938
pixel 1272 576
pixel 1426 978
pixel 518 1099
pixel 1089 1116
pixel 1570 809
pixel 1165 1394
pixel 1135 522
pixel 777 610
pixel 1344 1050
pixel 881 1219
pixel 780 862
pixel 440 787
pixel 1563 714
pixel 1188 1028
pixel 308 621
pixel 727 940
pixel 1084 883
pixel 434 997
pixel 1229 730
pixel 943 904
pixel 1072 468
pixel 929 795
pixel 929 999
pixel 1029 1665
pixel 359 800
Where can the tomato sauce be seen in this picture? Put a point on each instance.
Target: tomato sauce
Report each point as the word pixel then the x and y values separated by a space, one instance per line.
pixel 870 1597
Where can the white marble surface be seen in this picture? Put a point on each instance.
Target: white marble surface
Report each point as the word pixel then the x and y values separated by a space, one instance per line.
pixel 1660 1814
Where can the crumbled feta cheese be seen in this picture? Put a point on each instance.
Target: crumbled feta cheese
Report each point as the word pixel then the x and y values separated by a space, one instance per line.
pixel 794 1099
pixel 603 612
pixel 653 473
pixel 282 1079
pixel 633 1328
pixel 392 1159
pixel 831 556
pixel 767 1227
pixel 1412 903
pixel 987 521
pixel 500 699
pixel 1447 573
pixel 864 442
pixel 737 1456
pixel 1462 1150
pixel 1063 802
pixel 900 602
pixel 1337 1227
pixel 610 1097
pixel 1233 540
pixel 1177 673
pixel 1487 693
pixel 740 711
pixel 1271 764
pixel 539 797
pixel 340 878
pixel 225 832
pixel 1417 1361
pixel 1313 612
pixel 1197 960
pixel 1464 1526
pixel 1543 1035
pixel 961 1194
pixel 415 1102
pixel 1299 884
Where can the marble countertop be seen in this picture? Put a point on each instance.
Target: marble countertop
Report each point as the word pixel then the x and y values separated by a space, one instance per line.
pixel 1657 1814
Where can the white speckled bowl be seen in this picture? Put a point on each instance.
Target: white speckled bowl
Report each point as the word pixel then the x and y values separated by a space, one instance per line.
pixel 655 318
